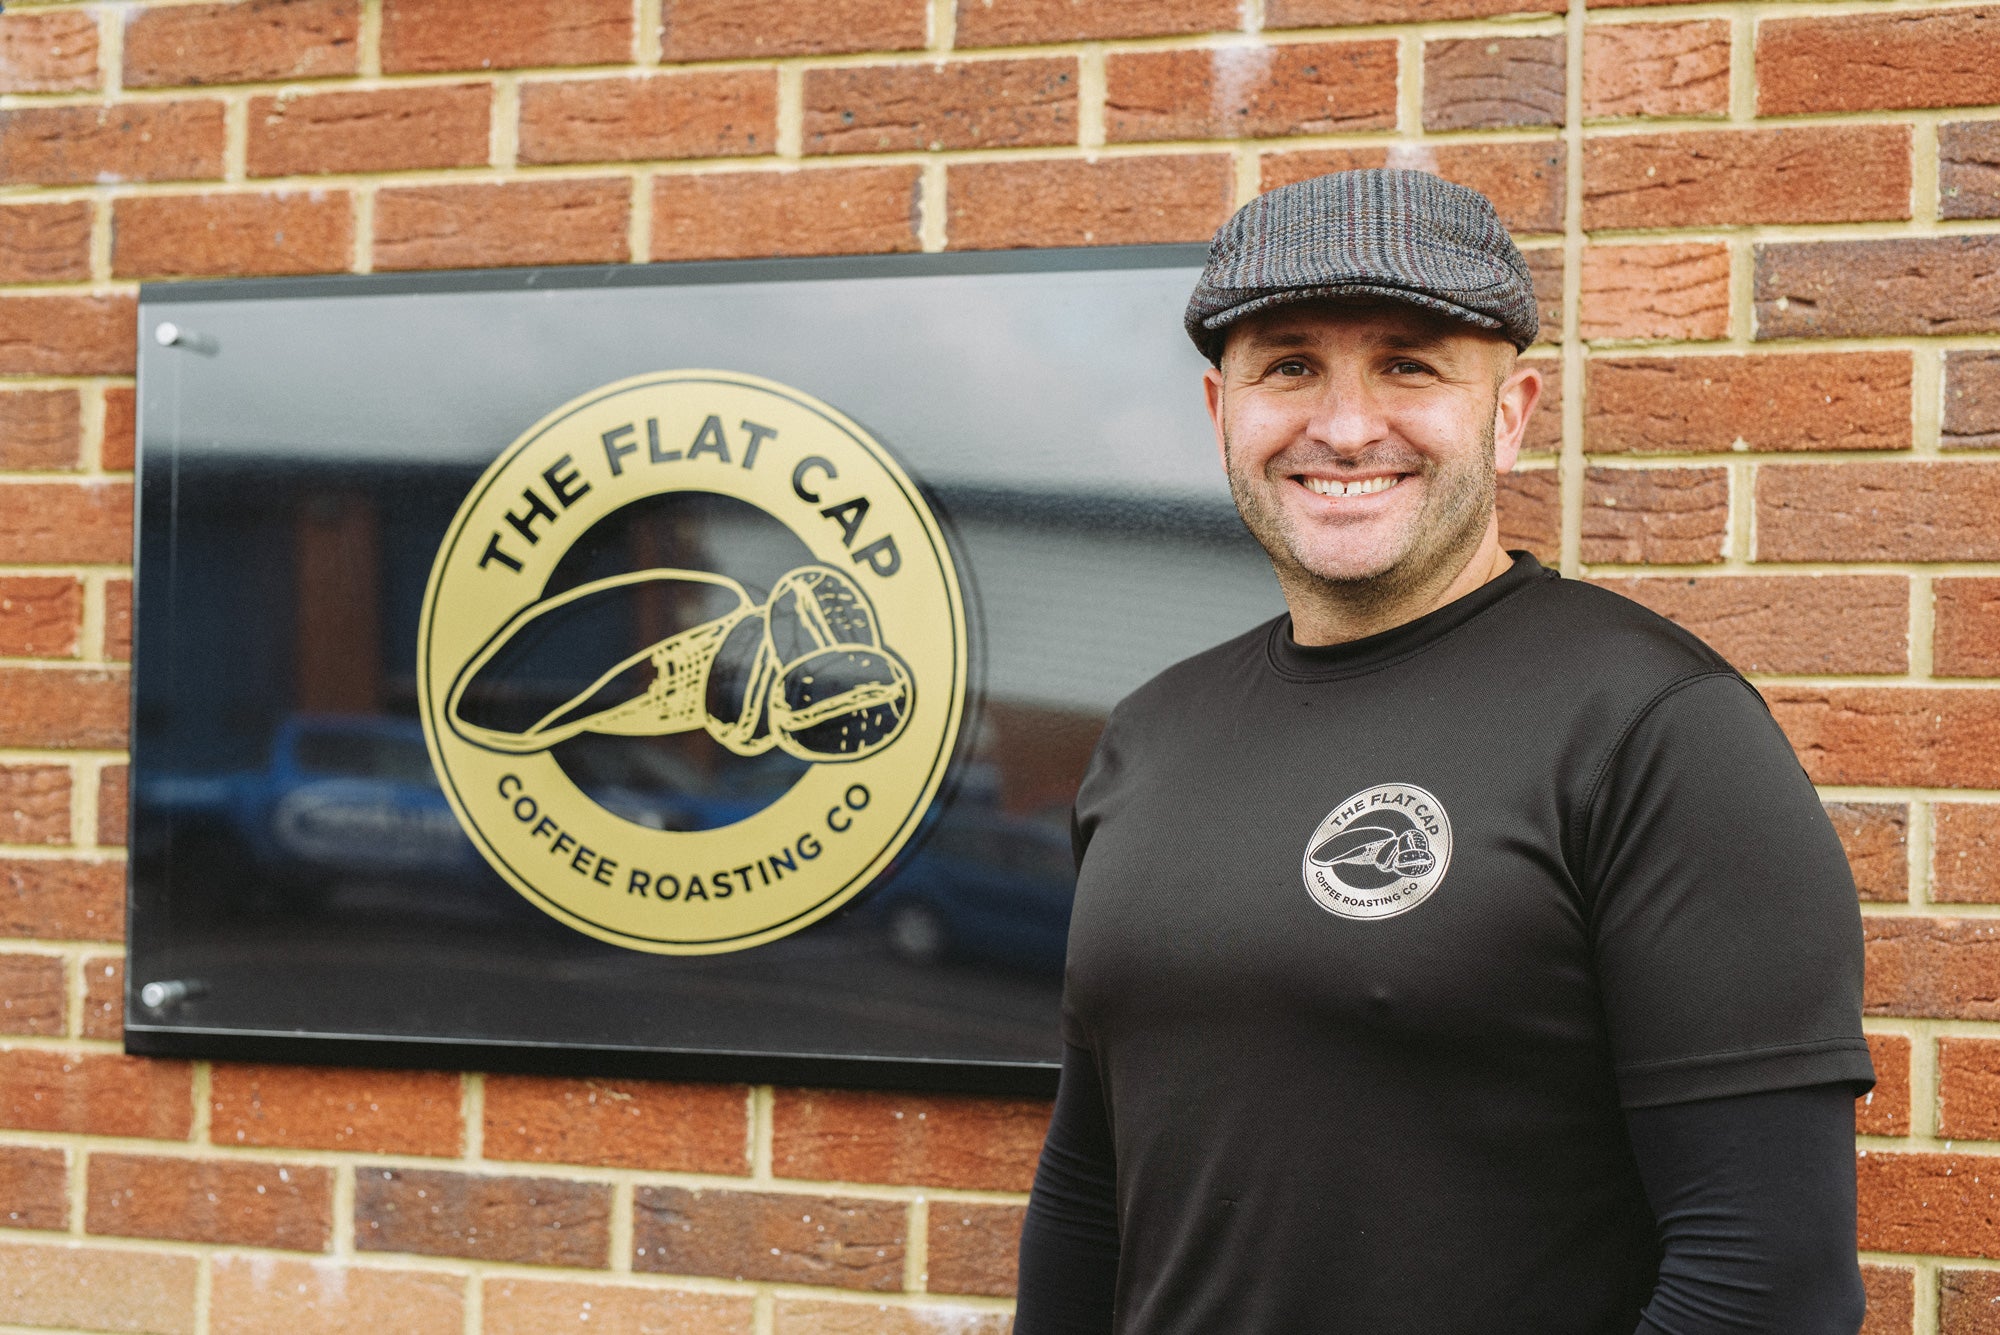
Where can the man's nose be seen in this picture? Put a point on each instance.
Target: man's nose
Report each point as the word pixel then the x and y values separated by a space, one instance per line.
pixel 1347 416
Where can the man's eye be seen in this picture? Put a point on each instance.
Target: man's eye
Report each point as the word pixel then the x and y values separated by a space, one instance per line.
pixel 1290 369
pixel 1410 368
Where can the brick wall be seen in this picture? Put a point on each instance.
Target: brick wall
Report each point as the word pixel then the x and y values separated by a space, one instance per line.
pixel 1772 301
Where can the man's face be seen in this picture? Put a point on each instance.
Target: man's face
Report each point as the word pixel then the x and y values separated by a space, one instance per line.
pixel 1362 441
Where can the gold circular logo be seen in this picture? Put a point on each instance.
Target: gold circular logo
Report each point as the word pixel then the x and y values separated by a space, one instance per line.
pixel 692 661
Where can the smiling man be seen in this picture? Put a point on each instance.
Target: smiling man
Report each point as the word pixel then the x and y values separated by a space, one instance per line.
pixel 1463 951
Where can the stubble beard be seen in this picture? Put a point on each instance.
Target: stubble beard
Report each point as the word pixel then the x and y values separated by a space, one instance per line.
pixel 1435 547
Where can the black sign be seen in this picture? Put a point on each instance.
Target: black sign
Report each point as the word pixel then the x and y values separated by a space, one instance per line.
pixel 672 670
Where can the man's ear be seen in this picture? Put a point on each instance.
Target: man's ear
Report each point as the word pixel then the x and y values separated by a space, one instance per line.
pixel 1211 386
pixel 1512 407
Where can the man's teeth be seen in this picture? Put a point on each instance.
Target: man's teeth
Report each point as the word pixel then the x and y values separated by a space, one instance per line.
pixel 1327 486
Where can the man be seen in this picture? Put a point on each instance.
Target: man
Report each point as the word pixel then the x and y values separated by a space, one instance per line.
pixel 1464 951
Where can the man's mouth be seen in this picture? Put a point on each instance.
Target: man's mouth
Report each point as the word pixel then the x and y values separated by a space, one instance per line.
pixel 1365 486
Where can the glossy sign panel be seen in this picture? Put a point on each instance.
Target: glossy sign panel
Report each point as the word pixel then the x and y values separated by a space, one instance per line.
pixel 671 670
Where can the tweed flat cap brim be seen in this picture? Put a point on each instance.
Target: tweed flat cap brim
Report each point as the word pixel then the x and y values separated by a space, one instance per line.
pixel 1382 234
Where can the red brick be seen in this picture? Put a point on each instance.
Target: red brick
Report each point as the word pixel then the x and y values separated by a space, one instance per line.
pixel 33 991
pixel 1655 516
pixel 837 1241
pixel 1943 1204
pixel 1250 92
pixel 1856 289
pixel 519 222
pixel 333 1108
pixel 726 29
pixel 1474 83
pixel 1885 1110
pixel 1768 401
pixel 1892 1300
pixel 104 997
pixel 51 51
pixel 1817 624
pixel 699 114
pixel 538 1306
pixel 908 1139
pixel 249 41
pixel 121 433
pixel 1969 170
pixel 62 707
pixel 281 232
pixel 1968 1303
pixel 1529 501
pixel 822 211
pixel 1524 180
pixel 1876 839
pixel 1669 291
pixel 820 1316
pixel 132 141
pixel 95 1094
pixel 34 804
pixel 1971 400
pixel 45 243
pixel 111 784
pixel 34 1187
pixel 948 104
pixel 1968 1088
pixel 1029 22
pixel 117 620
pixel 974 1248
pixel 1545 271
pixel 205 1200
pixel 99 1288
pixel 1339 13
pixel 40 615
pixel 47 522
pixel 40 428
pixel 1863 62
pixel 1916 511
pixel 1947 968
pixel 1893 737
pixel 62 899
pixel 1708 178
pixel 1966 638
pixel 527 1220
pixel 67 335
pixel 380 130
pixel 1110 202
pixel 1656 69
pixel 1965 853
pixel 260 1294
pixel 422 35
pixel 619 1123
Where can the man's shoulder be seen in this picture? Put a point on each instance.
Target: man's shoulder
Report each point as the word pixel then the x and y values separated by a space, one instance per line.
pixel 1590 625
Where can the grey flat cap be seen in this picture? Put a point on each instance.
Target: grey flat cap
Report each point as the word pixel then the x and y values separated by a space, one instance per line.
pixel 1402 235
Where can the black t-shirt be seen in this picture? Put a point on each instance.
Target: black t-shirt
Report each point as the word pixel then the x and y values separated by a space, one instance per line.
pixel 1373 943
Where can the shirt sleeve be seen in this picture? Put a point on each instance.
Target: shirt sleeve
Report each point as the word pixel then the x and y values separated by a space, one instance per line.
pixel 1069 1241
pixel 1755 1200
pixel 1726 929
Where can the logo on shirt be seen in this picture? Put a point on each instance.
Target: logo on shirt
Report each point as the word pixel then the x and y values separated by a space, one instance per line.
pixel 1380 853
pixel 692 662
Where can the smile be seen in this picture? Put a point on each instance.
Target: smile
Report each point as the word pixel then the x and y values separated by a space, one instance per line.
pixel 1367 486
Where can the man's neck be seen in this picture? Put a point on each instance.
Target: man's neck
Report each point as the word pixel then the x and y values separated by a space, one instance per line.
pixel 1320 616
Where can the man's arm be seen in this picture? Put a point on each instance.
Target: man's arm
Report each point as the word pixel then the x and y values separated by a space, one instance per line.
pixel 1755 1199
pixel 1069 1243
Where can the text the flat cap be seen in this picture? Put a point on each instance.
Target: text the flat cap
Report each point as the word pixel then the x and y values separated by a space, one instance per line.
pixel 1399 235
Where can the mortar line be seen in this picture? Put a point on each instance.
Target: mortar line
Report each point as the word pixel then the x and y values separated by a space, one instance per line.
pixel 933 181
pixel 916 1246
pixel 763 1313
pixel 941 24
pixel 622 1228
pixel 505 138
pixel 791 113
pixel 1927 1282
pixel 1573 368
pixel 364 230
pixel 204 1292
pixel 1924 184
pixel 368 41
pixel 1410 84
pixel 761 1135
pixel 639 221
pixel 1092 99
pixel 648 15
pixel 472 1115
